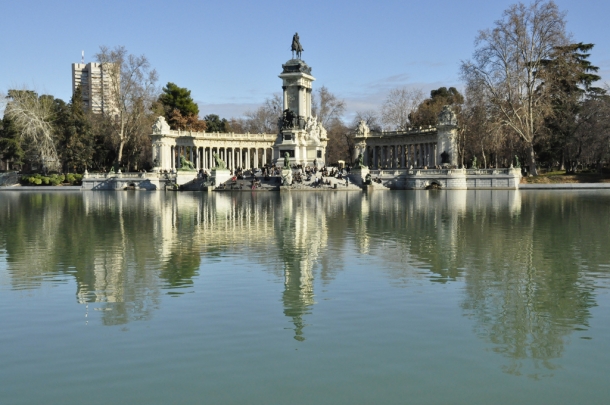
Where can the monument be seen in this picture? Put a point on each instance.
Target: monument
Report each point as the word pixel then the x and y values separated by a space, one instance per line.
pixel 300 135
pixel 219 172
pixel 360 172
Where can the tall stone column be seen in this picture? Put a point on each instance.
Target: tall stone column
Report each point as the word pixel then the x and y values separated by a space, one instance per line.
pixel 247 165
pixel 300 93
pixel 402 156
pixel 284 88
pixel 395 157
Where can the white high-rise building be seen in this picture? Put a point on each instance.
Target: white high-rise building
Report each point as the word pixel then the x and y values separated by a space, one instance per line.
pixel 96 86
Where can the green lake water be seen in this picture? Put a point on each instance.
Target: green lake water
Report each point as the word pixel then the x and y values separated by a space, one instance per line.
pixel 414 297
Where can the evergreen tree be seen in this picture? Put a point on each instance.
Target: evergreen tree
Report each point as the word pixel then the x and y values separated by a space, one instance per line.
pixel 177 98
pixel 568 80
pixel 215 124
pixel 427 112
pixel 10 142
pixel 75 134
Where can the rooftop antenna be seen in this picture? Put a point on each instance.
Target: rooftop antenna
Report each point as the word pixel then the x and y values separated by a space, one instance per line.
pixel 82 57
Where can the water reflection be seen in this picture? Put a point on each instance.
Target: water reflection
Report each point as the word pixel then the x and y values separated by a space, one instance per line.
pixel 528 262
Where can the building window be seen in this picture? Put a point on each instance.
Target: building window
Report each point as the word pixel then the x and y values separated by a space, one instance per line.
pixel 319 154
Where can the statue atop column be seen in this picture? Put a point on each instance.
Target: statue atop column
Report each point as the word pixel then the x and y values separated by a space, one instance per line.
pixel 296 46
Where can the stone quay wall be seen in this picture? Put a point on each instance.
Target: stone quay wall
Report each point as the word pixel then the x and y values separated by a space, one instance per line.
pixel 449 179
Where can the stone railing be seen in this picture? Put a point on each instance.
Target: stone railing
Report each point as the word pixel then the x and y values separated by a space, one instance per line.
pixel 417 172
pixel 128 175
pixel 223 135
pixel 487 172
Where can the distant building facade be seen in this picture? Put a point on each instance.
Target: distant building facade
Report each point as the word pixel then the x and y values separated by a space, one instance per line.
pixel 96 86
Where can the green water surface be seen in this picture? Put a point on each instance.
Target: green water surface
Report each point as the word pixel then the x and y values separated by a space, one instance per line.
pixel 414 297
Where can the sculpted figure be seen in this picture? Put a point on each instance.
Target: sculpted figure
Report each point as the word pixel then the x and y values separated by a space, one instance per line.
pixel 474 162
pixel 359 161
pixel 220 164
pixel 287 160
pixel 160 126
pixel 447 117
pixel 296 46
pixel 517 164
pixel 288 119
pixel 322 131
pixel 362 129
pixel 185 164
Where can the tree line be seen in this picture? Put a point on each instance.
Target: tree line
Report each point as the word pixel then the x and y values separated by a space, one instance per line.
pixel 529 96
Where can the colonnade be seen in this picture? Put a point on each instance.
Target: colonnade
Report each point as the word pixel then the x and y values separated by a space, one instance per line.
pixel 203 157
pixel 401 156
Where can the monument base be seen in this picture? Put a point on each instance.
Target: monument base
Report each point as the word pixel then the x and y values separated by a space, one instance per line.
pixel 286 177
pixel 358 176
pixel 185 176
pixel 220 176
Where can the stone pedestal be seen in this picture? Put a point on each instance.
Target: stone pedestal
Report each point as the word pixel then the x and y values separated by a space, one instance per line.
pixel 358 176
pixel 184 176
pixel 220 176
pixel 286 177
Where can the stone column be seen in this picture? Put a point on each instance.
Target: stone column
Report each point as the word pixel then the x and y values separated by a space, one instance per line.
pixel 300 104
pixel 247 165
pixel 402 156
pixel 396 158
pixel 374 162
pixel 285 98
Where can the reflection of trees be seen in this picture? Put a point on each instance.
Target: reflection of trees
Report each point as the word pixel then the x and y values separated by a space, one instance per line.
pixel 114 244
pixel 531 294
pixel 519 255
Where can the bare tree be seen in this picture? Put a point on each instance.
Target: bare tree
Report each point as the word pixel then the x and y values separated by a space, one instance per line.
pixel 265 118
pixel 132 91
pixel 371 117
pixel 326 106
pixel 34 116
pixel 398 105
pixel 506 62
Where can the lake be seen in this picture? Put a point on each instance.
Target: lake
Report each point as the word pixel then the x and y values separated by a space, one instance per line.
pixel 418 297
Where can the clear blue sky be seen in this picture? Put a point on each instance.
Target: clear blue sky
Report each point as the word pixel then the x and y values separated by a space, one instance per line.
pixel 229 53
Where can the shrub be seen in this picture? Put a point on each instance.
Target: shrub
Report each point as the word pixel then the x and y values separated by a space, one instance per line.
pixel 55 181
pixel 45 180
pixel 37 181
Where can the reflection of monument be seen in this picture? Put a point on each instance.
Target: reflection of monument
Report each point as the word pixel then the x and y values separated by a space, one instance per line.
pixel 301 237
